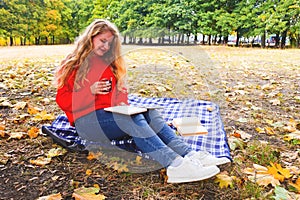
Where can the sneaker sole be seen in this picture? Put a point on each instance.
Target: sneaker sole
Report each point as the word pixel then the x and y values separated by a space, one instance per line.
pixel 185 179
pixel 222 162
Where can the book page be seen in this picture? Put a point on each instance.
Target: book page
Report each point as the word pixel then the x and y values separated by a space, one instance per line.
pixel 192 130
pixel 188 126
pixel 126 110
pixel 186 121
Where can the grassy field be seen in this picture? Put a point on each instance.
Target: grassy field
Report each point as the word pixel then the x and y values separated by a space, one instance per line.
pixel 258 91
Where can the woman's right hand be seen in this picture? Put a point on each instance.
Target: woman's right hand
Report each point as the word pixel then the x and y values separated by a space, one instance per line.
pixel 101 87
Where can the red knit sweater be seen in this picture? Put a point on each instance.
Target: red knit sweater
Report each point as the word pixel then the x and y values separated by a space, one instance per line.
pixel 77 103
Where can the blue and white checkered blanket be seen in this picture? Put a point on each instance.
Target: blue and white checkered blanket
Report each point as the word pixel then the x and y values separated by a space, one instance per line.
pixel 214 142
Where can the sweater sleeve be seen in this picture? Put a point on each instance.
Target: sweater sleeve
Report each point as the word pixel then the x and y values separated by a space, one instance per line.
pixel 70 100
pixel 121 97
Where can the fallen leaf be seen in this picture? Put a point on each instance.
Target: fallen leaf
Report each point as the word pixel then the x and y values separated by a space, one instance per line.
pixel 281 194
pixel 224 180
pixel 41 161
pixel 87 194
pixel 20 105
pixel 243 134
pixel 51 197
pixel 275 102
pixel 43 116
pixel 259 174
pixel 235 143
pixel 138 160
pixel 54 152
pixel 120 167
pixel 88 172
pixel 16 135
pixel 33 132
pixel 296 185
pixel 278 172
pixel 269 131
pixel 32 110
pixel 292 136
pixel 92 155
pixel 260 130
pixel 2 128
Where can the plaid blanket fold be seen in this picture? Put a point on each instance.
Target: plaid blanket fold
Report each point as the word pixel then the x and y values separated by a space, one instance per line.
pixel 214 142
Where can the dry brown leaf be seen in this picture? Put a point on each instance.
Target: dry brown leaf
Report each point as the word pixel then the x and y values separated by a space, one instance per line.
pixel 16 135
pixel 51 197
pixel 269 131
pixel 41 161
pixel 20 105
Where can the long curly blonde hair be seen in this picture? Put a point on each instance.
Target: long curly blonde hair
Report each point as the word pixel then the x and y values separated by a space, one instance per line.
pixel 84 47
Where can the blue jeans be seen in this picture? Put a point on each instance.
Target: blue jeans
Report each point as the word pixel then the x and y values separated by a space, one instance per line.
pixel 149 131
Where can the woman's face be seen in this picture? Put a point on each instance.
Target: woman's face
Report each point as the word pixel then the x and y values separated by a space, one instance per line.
pixel 102 43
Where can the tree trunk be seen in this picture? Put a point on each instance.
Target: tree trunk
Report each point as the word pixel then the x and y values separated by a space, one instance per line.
pixel 209 40
pixel 263 40
pixel 277 40
pixel 237 38
pixel 124 39
pixel 11 41
pixel 37 40
pixel 188 38
pixel 226 39
pixel 182 39
pixel 196 38
pixel 283 39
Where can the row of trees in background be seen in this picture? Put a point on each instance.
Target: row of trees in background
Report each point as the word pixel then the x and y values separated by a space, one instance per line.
pixel 173 21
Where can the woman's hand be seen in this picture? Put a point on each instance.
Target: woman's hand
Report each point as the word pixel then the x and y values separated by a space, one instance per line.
pixel 101 87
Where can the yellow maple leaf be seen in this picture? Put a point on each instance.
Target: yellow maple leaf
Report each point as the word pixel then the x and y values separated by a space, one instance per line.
pixel 296 185
pixel 259 174
pixel 278 172
pixel 224 180
pixel 43 116
pixel 90 193
pixel 33 132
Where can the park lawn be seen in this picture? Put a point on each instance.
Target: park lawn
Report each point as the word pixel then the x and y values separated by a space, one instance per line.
pixel 257 91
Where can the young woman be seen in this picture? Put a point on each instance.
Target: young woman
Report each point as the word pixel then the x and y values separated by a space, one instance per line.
pixel 92 78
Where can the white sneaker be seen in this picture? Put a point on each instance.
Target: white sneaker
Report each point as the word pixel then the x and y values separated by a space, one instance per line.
pixel 206 159
pixel 188 171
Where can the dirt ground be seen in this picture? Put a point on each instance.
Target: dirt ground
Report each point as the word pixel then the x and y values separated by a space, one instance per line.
pixel 237 79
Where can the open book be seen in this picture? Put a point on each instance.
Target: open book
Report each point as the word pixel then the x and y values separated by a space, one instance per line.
pixel 126 110
pixel 189 126
pixel 130 110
